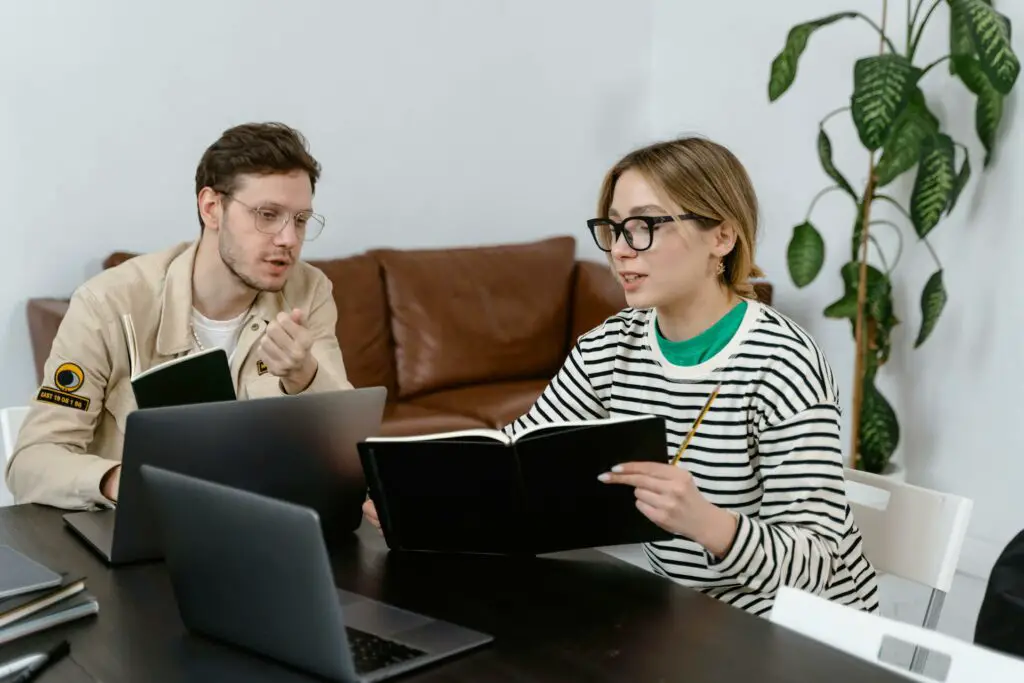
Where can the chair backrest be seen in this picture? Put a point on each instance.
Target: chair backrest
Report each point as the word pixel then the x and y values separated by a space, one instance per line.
pixel 862 635
pixel 909 531
pixel 10 425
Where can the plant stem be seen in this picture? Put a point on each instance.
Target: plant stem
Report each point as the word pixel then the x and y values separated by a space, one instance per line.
pixel 935 257
pixel 899 239
pixel 831 114
pixel 887 198
pixel 884 38
pixel 928 68
pixel 881 254
pixel 859 337
pixel 913 21
pixel 818 196
pixel 920 30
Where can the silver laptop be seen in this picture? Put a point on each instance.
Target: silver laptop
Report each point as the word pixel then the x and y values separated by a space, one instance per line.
pixel 253 571
pixel 300 448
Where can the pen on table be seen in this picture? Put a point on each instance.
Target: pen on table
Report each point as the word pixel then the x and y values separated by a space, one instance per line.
pixel 696 423
pixel 32 671
pixel 13 667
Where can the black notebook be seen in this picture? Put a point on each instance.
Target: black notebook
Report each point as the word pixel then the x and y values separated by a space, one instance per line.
pixel 201 377
pixel 478 491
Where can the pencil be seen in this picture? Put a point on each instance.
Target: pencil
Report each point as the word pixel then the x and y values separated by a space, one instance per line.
pixel 703 412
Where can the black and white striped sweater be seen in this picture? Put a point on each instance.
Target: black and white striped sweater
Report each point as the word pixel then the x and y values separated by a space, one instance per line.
pixel 768 449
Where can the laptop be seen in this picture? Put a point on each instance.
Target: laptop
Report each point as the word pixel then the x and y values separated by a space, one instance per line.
pixel 253 571
pixel 300 448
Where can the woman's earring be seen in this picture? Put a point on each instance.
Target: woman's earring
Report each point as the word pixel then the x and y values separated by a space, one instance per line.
pixel 721 267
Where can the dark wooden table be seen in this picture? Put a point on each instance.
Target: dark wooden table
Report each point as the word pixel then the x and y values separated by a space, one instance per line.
pixel 578 617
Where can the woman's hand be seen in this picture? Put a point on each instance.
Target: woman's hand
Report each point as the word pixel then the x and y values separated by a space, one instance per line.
pixel 370 512
pixel 668 496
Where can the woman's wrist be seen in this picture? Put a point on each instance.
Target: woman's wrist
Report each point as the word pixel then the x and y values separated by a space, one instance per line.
pixel 719 531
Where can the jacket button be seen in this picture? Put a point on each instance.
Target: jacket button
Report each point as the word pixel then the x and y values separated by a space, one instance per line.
pixel 255 326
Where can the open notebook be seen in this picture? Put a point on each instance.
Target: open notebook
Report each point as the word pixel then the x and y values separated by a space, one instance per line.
pixel 200 377
pixel 500 436
pixel 480 491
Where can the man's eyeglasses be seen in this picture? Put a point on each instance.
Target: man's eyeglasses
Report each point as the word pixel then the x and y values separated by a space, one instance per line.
pixel 271 220
pixel 638 230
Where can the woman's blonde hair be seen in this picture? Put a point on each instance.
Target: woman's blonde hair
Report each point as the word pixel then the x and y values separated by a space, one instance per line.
pixel 704 178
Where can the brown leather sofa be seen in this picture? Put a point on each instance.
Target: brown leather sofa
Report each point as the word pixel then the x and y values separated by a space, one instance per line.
pixel 461 337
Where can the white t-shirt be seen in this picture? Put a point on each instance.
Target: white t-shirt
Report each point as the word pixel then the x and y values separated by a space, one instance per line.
pixel 218 333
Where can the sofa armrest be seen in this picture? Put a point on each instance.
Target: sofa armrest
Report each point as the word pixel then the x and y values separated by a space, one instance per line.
pixel 44 318
pixel 763 290
pixel 596 296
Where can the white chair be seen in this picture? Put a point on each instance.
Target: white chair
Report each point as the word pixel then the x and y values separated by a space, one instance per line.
pixel 10 425
pixel 862 634
pixel 910 532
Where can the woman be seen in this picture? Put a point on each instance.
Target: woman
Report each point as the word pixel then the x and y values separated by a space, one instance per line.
pixel 757 499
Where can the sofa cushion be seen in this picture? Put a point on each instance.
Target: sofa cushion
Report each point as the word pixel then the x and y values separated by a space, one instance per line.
pixel 479 314
pixel 596 296
pixel 404 419
pixel 496 404
pixel 362 329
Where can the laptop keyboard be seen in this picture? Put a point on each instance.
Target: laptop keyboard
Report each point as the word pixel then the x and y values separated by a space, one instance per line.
pixel 370 652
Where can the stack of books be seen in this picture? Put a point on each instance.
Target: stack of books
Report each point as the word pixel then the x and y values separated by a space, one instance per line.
pixel 31 606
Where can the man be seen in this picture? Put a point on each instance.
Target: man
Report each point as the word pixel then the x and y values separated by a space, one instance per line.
pixel 240 286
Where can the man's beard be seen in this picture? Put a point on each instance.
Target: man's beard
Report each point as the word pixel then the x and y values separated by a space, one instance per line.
pixel 227 255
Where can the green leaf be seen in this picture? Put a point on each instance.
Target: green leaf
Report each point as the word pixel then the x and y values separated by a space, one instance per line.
pixel 879 429
pixel 784 65
pixel 989 33
pixel 805 254
pixel 934 183
pixel 933 300
pixel 882 86
pixel 878 307
pixel 846 306
pixel 960 43
pixel 903 148
pixel 961 181
pixel 825 156
pixel 988 110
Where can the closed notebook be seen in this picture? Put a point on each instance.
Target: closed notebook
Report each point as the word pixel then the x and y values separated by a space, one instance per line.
pixel 479 491
pixel 201 377
pixel 24 605
pixel 81 604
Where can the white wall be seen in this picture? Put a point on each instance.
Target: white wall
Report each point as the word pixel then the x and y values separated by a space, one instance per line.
pixel 960 425
pixel 438 123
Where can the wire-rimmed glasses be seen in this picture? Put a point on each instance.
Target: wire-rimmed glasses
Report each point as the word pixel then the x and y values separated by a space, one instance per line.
pixel 271 220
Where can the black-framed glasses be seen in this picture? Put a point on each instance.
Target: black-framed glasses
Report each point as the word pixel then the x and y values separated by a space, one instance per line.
pixel 638 230
pixel 271 220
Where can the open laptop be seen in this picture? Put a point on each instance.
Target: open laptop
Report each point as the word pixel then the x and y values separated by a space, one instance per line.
pixel 300 448
pixel 253 571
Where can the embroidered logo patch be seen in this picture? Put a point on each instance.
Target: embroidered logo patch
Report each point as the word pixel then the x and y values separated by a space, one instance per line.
pixel 68 378
pixel 261 368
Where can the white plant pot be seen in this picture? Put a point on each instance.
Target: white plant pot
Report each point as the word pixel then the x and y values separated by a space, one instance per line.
pixel 895 471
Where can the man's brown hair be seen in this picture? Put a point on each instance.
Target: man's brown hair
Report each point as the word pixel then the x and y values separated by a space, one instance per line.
pixel 254 148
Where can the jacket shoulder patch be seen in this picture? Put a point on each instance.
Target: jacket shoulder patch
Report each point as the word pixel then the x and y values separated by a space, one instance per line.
pixel 68 378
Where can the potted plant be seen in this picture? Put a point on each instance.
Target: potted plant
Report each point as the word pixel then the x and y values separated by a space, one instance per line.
pixel 901 134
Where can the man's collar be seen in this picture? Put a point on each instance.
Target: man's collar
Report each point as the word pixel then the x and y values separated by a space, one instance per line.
pixel 174 335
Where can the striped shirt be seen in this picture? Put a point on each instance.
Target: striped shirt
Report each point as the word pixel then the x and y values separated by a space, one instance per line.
pixel 768 450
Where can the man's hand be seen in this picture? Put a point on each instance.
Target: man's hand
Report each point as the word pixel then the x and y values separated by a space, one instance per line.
pixel 286 351
pixel 110 483
pixel 668 496
pixel 370 512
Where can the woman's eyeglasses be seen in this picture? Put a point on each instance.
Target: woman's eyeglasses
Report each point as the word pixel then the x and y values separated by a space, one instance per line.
pixel 638 230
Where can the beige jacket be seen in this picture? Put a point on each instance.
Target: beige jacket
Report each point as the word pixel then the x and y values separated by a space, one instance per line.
pixel 74 431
